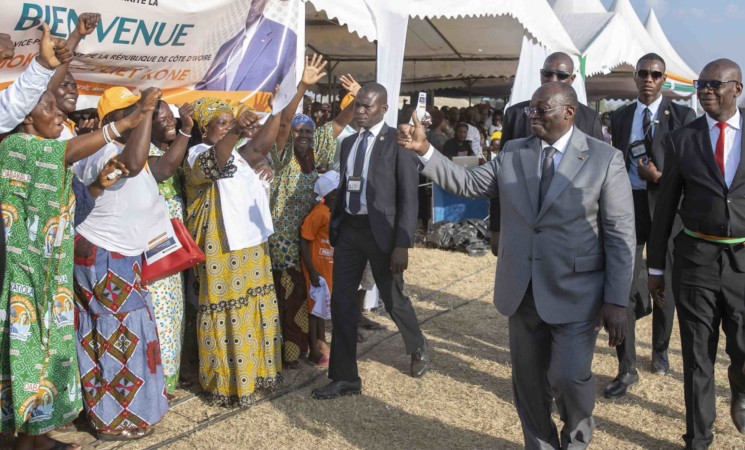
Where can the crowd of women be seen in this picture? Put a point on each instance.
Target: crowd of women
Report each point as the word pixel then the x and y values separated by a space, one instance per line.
pixel 79 329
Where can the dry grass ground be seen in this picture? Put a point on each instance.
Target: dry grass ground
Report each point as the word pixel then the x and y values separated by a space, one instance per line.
pixel 465 402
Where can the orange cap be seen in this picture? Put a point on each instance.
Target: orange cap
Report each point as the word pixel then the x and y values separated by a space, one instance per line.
pixel 115 98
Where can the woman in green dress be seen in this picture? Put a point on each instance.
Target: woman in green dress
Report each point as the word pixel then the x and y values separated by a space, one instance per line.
pixel 39 382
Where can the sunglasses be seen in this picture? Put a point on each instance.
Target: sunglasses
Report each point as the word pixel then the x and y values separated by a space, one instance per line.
pixel 539 112
pixel 643 74
pixel 700 85
pixel 560 75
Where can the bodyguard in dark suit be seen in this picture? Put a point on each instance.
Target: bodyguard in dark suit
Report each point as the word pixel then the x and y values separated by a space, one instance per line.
pixel 557 67
pixel 704 167
pixel 565 262
pixel 374 220
pixel 638 130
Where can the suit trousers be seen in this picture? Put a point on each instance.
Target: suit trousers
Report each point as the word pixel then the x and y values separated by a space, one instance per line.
pixel 356 246
pixel 707 297
pixel 639 300
pixel 552 361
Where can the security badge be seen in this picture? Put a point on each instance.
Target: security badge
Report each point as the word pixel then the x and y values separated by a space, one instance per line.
pixel 354 184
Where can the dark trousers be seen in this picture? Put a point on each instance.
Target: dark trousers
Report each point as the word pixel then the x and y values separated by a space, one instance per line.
pixel 639 301
pixel 354 248
pixel 552 362
pixel 707 297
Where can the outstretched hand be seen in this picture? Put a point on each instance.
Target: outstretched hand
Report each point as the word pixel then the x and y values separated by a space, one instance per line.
pixel 185 112
pixel 148 101
pixel 350 84
pixel 313 72
pixel 53 52
pixel 413 137
pixel 613 319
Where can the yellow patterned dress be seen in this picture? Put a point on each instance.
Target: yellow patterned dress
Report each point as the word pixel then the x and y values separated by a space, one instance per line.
pixel 238 327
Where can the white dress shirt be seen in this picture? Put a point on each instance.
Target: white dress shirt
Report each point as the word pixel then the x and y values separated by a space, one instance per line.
pixel 560 145
pixel 17 101
pixel 236 56
pixel 637 134
pixel 374 130
pixel 732 143
pixel 732 149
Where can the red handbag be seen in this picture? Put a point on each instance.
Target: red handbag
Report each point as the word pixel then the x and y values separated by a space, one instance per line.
pixel 188 256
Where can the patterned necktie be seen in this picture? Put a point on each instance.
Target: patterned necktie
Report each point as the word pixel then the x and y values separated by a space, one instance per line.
pixel 647 128
pixel 719 152
pixel 359 163
pixel 234 62
pixel 547 172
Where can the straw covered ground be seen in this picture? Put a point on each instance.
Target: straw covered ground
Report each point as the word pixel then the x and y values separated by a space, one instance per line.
pixel 464 402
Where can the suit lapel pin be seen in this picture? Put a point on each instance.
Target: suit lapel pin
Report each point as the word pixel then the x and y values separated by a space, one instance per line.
pixel 382 138
pixel 667 112
pixel 581 157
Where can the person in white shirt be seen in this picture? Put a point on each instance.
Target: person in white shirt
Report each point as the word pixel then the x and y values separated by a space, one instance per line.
pixel 704 183
pixel 17 101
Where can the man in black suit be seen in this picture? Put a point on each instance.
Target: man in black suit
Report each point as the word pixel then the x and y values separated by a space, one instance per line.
pixel 515 124
pixel 374 220
pixel 704 166
pixel 638 130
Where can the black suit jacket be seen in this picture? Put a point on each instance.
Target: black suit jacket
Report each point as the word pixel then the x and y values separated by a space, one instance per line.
pixel 708 206
pixel 392 192
pixel 670 116
pixel 516 124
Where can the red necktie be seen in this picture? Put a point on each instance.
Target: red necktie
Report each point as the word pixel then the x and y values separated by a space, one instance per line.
pixel 719 152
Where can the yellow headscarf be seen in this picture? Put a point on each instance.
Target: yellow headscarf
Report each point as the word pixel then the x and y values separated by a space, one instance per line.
pixel 207 109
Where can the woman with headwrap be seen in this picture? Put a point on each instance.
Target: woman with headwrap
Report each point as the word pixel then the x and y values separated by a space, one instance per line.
pixel 167 150
pixel 295 166
pixel 38 355
pixel 227 213
pixel 118 349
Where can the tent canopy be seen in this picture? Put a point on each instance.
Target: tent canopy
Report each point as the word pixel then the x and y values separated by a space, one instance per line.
pixel 675 63
pixel 444 39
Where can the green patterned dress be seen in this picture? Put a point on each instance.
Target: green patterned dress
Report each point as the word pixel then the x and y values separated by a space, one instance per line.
pixel 39 382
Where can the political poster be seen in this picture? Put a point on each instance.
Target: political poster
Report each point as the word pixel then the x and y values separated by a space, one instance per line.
pixel 238 50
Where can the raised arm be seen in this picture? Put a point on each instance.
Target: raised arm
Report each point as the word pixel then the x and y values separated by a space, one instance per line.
pixel 312 74
pixel 224 147
pixel 136 150
pixel 87 144
pixel 346 115
pixel 17 101
pixel 163 167
pixel 86 25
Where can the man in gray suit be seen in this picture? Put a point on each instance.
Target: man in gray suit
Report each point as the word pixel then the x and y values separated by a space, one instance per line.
pixel 565 263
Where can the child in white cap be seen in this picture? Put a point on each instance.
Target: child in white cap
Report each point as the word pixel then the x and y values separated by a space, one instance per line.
pixel 318 262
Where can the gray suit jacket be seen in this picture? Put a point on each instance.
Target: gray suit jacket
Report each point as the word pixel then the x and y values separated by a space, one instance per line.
pixel 578 250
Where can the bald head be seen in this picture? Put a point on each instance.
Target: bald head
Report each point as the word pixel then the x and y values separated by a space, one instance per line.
pixel 720 84
pixel 558 66
pixel 375 88
pixel 553 110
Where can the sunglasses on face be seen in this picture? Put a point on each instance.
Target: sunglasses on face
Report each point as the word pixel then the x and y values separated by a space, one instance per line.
pixel 711 84
pixel 539 112
pixel 643 74
pixel 560 75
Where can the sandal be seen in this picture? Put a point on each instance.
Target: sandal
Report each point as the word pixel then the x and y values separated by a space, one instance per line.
pixel 125 435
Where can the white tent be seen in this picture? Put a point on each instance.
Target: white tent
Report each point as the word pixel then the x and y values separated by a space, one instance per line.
pixel 442 39
pixel 679 73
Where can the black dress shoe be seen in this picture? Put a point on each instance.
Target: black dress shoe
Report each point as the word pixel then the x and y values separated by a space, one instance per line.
pixel 737 402
pixel 617 388
pixel 420 360
pixel 337 389
pixel 660 364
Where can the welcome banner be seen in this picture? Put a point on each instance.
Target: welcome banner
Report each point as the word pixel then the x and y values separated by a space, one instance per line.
pixel 234 49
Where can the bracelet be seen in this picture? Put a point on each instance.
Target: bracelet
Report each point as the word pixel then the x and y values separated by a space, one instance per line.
pixel 184 134
pixel 106 136
pixel 114 130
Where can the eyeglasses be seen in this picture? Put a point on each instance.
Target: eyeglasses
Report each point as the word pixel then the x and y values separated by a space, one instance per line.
pixel 643 74
pixel 540 112
pixel 560 75
pixel 700 85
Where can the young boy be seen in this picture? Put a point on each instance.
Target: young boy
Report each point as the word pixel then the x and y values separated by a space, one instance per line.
pixel 318 259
